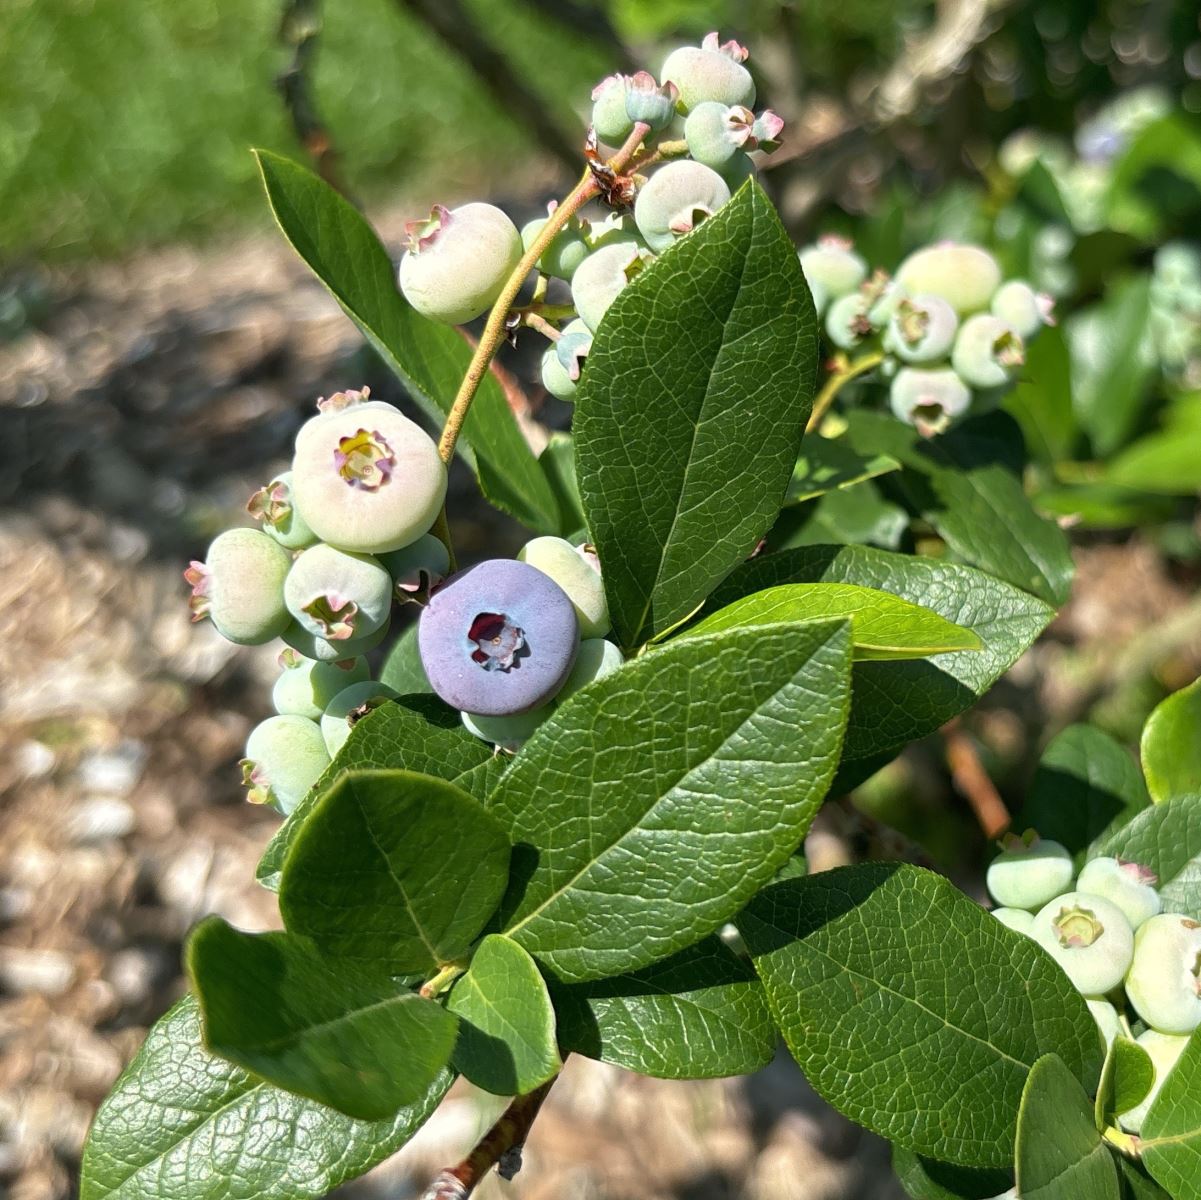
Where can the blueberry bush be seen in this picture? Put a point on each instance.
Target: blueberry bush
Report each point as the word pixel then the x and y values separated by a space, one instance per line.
pixel 788 534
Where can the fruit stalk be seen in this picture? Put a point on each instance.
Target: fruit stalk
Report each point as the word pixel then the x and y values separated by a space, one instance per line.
pixel 831 387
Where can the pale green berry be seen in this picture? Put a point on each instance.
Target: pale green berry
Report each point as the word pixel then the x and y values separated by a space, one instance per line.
pixel 349 706
pixel 1017 919
pixel 304 687
pixel 272 504
pixel 1126 884
pixel 675 200
pixel 616 229
pixel 715 132
pixel 322 650
pixel 737 171
pixel 1164 983
pixel 987 352
pixel 929 400
pixel 240 587
pixel 568 248
pixel 922 329
pixel 1106 1017
pixel 418 567
pixel 609 117
pixel 1019 305
pixel 506 733
pixel 572 348
pixel 1089 937
pixel 596 659
pixel 600 278
pixel 1164 1050
pixel 576 570
pixel 821 298
pixel 650 103
pixel 555 378
pixel 365 477
pixel 338 596
pixel 457 262
pixel 847 324
pixel 832 264
pixel 965 276
pixel 1178 263
pixel 285 756
pixel 712 71
pixel 1029 871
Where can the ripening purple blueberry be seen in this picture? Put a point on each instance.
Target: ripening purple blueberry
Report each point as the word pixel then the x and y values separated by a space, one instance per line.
pixel 498 638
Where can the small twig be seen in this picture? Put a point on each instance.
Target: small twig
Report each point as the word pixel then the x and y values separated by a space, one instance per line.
pixel 533 320
pixel 972 781
pixel 497 1146
pixel 843 375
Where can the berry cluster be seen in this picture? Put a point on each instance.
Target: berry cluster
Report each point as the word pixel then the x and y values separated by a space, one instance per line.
pixel 699 130
pixel 1138 967
pixel 1176 311
pixel 948 330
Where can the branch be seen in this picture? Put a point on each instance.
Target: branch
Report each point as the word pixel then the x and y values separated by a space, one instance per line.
pixel 455 26
pixel 972 781
pixel 500 1147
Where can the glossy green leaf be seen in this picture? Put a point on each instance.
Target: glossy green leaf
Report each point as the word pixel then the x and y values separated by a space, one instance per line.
pixel 1087 786
pixel 1126 1079
pixel 429 358
pixel 402 670
pixel 396 869
pixel 1041 401
pixel 896 702
pixel 506 1022
pixel 700 1014
pixel 1167 839
pixel 558 461
pixel 1103 505
pixel 341 1033
pixel 416 733
pixel 965 485
pixel 883 626
pixel 177 1126
pixel 911 1009
pixel 1171 1133
pixel 1060 1154
pixel 928 1179
pixel 650 809
pixel 850 516
pixel 1156 181
pixel 1137 1184
pixel 829 464
pixel 1165 462
pixel 1171 744
pixel 690 414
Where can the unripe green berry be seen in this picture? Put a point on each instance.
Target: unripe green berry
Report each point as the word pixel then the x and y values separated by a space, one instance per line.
pixel 675 200
pixel 273 506
pixel 349 706
pixel 240 587
pixel 847 324
pixel 568 248
pixel 600 278
pixel 831 264
pixel 338 596
pixel 1017 919
pixel 305 688
pixel 609 117
pixel 649 102
pixel 285 756
pixel 617 229
pixel 1029 871
pixel 715 132
pixel 737 171
pixel 1020 306
pixel 596 659
pixel 322 650
pixel 365 477
pixel 1164 1050
pixel 1106 1017
pixel 712 71
pixel 555 377
pixel 506 733
pixel 458 261
pixel 987 352
pixel 417 567
pixel 1090 939
pixel 576 570
pixel 1126 884
pixel 929 400
pixel 965 276
pixel 1164 983
pixel 922 329
pixel 573 347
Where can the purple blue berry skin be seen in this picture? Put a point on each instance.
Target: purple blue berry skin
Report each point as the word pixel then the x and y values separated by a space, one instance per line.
pixel 497 639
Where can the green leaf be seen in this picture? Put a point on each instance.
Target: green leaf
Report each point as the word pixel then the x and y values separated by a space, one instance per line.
pixel 1103 506
pixel 883 626
pixel 176 1125
pixel 402 670
pixel 911 1009
pixel 395 869
pixel 1126 1079
pixel 558 461
pixel 689 416
pixel 1137 1184
pixel 429 358
pixel 1167 839
pixel 700 1014
pixel 1060 1154
pixel 506 1022
pixel 964 483
pixel 827 464
pixel 650 809
pixel 340 1033
pixel 849 516
pixel 1166 462
pixel 1087 786
pixel 1157 180
pixel 416 733
pixel 928 1179
pixel 895 703
pixel 1041 402
pixel 1171 746
pixel 1171 1133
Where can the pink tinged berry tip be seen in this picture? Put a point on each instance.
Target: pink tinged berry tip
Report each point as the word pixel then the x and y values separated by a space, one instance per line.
pixel 1008 350
pixel 1045 303
pixel 270 505
pixel 929 418
pixel 835 241
pixel 912 322
pixel 340 401
pixel 422 234
pixel 767 129
pixel 730 49
pixel 687 221
pixel 609 81
pixel 197 576
pixel 587 551
pixel 1137 872
pixel 497 641
pixel 334 615
pixel 365 460
pixel 1077 927
pixel 254 780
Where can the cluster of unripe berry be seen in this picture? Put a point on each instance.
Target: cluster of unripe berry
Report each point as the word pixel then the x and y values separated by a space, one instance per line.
pixel 1175 302
pixel 949 330
pixel 699 115
pixel 1138 967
